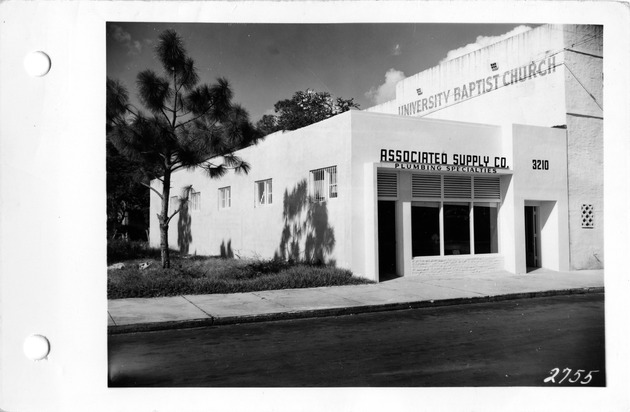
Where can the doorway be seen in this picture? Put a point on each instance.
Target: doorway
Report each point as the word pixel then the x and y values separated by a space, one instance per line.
pixel 386 240
pixel 532 238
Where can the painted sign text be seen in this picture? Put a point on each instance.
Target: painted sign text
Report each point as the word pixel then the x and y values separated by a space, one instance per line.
pixel 479 87
pixel 455 159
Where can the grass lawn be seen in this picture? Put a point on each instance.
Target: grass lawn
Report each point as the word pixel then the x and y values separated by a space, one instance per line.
pixel 204 275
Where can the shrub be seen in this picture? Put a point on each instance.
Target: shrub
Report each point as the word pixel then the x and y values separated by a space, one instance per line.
pixel 216 275
pixel 120 249
pixel 274 265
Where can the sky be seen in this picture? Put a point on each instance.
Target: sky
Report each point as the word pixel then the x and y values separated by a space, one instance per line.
pixel 265 63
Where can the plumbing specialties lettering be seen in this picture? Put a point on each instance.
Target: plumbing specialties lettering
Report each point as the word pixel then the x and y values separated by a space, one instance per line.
pixel 456 162
pixel 479 87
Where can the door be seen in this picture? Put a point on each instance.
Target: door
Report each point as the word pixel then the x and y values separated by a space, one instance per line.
pixel 532 238
pixel 386 239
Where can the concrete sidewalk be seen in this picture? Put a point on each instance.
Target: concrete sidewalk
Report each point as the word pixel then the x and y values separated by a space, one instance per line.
pixel 135 315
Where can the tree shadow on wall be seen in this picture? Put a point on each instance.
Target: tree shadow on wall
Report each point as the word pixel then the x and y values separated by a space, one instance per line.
pixel 184 232
pixel 306 235
pixel 226 250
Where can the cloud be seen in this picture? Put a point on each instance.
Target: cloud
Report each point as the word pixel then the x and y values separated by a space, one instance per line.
pixel 483 41
pixel 123 37
pixel 386 91
pixel 397 51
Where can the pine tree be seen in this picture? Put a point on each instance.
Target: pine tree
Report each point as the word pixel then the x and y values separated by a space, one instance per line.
pixel 188 126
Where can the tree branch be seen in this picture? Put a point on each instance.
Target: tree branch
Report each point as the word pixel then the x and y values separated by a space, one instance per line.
pixel 177 167
pixel 173 215
pixel 152 188
pixel 164 113
pixel 128 108
pixel 195 118
pixel 174 159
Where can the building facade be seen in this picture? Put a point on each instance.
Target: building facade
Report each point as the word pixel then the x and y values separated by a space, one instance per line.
pixel 550 76
pixel 492 161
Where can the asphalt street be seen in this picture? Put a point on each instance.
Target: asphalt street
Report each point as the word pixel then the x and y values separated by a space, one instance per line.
pixel 549 341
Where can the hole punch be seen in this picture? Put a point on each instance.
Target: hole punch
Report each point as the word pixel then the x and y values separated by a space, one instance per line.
pixel 37 64
pixel 36 347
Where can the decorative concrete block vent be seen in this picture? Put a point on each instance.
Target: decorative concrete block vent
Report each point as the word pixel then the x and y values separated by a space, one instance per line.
pixel 588 220
pixel 454 266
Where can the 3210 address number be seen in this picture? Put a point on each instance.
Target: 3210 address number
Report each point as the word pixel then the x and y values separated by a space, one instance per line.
pixel 538 164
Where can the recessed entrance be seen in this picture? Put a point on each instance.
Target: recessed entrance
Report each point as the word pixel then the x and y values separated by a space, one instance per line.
pixel 386 239
pixel 532 238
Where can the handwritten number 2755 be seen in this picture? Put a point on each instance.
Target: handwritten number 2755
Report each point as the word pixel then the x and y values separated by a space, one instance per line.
pixel 567 372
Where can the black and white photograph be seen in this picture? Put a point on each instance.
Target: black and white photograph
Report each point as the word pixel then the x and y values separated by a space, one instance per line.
pixel 398 205
pixel 338 205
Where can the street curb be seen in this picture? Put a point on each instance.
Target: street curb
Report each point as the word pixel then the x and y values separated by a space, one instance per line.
pixel 353 310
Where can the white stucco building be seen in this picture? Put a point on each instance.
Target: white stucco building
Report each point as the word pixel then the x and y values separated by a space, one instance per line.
pixel 490 161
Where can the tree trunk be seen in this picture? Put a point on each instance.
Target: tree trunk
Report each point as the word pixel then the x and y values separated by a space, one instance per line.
pixel 163 218
pixel 166 259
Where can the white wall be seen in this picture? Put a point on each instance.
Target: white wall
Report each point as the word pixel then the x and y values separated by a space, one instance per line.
pixel 584 102
pixel 537 100
pixel 545 188
pixel 286 158
pixel 390 107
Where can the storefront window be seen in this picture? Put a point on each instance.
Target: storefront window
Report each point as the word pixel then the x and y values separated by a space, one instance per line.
pixel 442 209
pixel 485 229
pixel 425 230
pixel 456 229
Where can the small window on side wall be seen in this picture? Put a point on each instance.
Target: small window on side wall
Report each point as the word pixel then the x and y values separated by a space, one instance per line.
pixel 195 200
pixel 225 197
pixel 323 184
pixel 263 192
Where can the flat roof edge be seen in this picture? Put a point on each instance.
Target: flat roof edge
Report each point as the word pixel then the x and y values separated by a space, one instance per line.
pixel 424 119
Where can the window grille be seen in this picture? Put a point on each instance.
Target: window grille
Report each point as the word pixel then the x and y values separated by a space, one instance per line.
pixel 332 188
pixel 323 183
pixel 225 197
pixel 263 192
pixel 588 220
pixel 195 200
pixel 457 187
pixel 487 188
pixel 387 184
pixel 426 186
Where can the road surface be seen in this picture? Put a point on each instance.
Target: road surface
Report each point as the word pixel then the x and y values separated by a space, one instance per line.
pixel 510 343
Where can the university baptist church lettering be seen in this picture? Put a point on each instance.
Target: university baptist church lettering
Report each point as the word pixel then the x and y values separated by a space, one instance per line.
pixel 480 86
